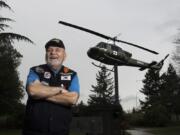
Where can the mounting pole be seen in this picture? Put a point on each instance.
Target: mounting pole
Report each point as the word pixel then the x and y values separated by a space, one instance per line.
pixel 116 84
pixel 116 80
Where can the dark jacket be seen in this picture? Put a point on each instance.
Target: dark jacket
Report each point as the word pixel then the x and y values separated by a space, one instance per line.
pixel 44 117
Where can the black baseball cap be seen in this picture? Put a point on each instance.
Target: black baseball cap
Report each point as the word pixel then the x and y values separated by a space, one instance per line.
pixel 55 42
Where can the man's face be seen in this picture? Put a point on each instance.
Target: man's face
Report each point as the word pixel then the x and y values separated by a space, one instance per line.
pixel 55 56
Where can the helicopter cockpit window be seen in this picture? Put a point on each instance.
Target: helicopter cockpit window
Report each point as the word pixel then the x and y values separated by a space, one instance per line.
pixel 99 45
pixel 115 48
pixel 102 45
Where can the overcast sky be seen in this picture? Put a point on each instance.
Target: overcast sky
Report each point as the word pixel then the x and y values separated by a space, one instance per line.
pixel 150 23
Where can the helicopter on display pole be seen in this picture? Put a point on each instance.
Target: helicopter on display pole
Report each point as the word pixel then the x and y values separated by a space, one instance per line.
pixel 111 54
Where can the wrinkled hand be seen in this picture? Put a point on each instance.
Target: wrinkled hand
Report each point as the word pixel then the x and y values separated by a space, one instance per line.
pixel 62 91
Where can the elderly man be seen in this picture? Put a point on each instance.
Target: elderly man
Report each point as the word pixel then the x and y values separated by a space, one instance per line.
pixel 52 89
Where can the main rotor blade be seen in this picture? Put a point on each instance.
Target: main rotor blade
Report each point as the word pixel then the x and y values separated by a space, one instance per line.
pixel 137 46
pixel 166 57
pixel 86 30
pixel 104 36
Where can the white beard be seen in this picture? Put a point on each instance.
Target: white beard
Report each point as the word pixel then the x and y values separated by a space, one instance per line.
pixel 54 62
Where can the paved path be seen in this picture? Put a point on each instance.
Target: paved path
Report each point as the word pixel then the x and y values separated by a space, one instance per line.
pixel 138 131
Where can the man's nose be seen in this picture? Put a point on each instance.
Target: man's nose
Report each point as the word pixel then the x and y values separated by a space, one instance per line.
pixel 53 51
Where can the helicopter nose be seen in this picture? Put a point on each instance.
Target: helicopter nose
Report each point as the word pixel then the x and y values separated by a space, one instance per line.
pixel 92 52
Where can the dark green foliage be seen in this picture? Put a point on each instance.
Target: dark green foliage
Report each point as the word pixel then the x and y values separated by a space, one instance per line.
pixel 11 36
pixel 6 36
pixel 135 118
pixel 162 96
pixel 154 112
pixel 151 89
pixel 11 88
pixel 156 115
pixel 103 91
pixel 4 5
pixel 170 90
pixel 14 119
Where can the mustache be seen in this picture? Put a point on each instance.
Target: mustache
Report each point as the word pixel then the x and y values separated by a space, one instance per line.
pixel 51 61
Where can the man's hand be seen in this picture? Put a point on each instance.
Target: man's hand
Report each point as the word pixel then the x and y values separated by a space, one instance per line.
pixel 54 94
pixel 38 91
pixel 64 97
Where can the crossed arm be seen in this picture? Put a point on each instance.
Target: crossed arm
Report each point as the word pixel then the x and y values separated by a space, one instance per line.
pixel 53 94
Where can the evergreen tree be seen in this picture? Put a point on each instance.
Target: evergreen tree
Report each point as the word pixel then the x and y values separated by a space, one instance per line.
pixel 11 89
pixel 170 90
pixel 8 36
pixel 151 89
pixel 103 91
pixel 176 104
pixel 155 114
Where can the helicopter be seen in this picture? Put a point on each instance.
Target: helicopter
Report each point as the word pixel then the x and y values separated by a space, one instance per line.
pixel 111 54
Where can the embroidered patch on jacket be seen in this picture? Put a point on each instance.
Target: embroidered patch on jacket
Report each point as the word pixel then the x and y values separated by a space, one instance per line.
pixel 47 75
pixel 66 69
pixel 66 77
pixel 39 70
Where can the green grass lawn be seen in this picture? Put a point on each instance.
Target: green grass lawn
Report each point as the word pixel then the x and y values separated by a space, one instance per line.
pixel 165 131
pixel 18 132
pixel 10 132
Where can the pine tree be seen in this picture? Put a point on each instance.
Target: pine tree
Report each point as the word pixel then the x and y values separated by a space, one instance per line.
pixel 103 91
pixel 170 90
pixel 11 89
pixel 8 36
pixel 155 113
pixel 151 89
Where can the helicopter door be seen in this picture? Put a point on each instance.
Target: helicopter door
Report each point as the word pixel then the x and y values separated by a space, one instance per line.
pixel 114 50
